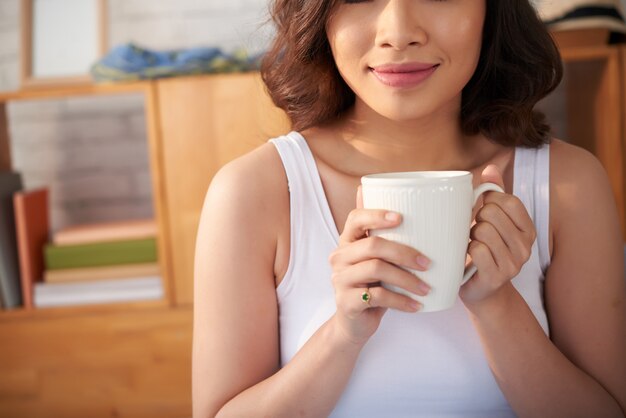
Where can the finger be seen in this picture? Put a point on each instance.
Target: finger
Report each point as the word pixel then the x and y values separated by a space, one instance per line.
pixel 482 259
pixel 378 247
pixel 375 271
pixel 513 207
pixel 487 234
pixel 379 297
pixel 361 220
pixel 491 174
pixel 518 243
pixel 359 198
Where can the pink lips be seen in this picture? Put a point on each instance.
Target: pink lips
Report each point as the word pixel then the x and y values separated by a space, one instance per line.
pixel 403 75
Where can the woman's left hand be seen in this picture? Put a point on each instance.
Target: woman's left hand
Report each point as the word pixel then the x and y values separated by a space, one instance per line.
pixel 501 241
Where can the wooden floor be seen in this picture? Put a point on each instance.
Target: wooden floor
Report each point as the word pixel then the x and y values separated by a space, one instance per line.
pixel 115 364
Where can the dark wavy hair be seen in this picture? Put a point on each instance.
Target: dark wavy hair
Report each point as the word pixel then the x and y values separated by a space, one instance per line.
pixel 519 64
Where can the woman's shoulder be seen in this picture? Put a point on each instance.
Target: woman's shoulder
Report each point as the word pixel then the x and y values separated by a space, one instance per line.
pixel 572 164
pixel 579 183
pixel 252 191
pixel 255 178
pixel 562 152
pixel 263 162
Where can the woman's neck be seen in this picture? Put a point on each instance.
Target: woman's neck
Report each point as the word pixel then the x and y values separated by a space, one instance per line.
pixel 360 143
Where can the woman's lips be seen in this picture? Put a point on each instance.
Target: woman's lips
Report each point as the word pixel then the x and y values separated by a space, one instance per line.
pixel 405 75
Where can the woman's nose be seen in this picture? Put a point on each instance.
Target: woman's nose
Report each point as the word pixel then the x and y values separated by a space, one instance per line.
pixel 399 26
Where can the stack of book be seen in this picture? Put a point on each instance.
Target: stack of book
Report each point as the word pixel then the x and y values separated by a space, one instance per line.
pixel 83 264
pixel 100 263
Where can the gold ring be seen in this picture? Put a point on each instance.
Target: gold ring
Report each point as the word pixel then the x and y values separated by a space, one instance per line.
pixel 366 297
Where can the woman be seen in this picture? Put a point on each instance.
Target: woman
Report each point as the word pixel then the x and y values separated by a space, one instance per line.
pixel 283 255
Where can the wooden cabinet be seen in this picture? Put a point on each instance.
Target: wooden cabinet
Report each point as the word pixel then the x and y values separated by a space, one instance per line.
pixel 134 360
pixel 96 362
pixel 205 122
pixel 130 359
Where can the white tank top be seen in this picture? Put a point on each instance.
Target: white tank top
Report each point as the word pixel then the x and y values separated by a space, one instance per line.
pixel 415 365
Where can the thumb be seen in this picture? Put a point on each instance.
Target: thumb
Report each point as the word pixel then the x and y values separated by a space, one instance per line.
pixel 491 174
pixel 359 198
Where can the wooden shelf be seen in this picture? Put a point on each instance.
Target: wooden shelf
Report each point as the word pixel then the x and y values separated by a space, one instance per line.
pixel 148 90
pixel 51 354
pixel 80 310
pixel 78 90
pixel 100 89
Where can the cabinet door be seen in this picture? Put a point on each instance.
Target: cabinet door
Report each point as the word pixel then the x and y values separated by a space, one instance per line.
pixel 204 123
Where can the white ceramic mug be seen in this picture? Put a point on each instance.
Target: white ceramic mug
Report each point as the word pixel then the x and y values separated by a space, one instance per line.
pixel 436 208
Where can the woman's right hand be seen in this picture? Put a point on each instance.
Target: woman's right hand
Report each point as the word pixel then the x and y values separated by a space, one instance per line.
pixel 361 262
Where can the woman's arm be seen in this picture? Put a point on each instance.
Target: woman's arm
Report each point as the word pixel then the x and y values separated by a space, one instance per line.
pixel 236 331
pixel 235 340
pixel 581 371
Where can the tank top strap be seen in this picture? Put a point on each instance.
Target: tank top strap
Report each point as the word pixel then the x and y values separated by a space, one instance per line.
pixel 308 207
pixel 532 185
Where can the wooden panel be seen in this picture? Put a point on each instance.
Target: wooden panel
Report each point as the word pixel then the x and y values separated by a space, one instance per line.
pixel 79 310
pixel 206 122
pixel 622 71
pixel 61 92
pixel 595 116
pixel 155 152
pixel 126 364
pixel 5 146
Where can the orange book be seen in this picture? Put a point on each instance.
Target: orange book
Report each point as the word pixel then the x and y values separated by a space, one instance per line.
pixel 106 232
pixel 32 231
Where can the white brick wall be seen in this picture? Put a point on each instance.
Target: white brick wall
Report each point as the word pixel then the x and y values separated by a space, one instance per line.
pixel 92 152
pixel 183 23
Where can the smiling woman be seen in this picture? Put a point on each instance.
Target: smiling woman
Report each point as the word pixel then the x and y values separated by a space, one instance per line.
pixel 303 78
pixel 452 30
pixel 291 288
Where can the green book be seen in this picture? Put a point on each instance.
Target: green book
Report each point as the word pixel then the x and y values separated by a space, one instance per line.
pixel 100 254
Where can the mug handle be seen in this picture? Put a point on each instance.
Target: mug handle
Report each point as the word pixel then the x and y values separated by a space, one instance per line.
pixel 485 187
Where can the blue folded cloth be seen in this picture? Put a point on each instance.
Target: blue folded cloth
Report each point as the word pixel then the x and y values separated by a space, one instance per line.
pixel 132 62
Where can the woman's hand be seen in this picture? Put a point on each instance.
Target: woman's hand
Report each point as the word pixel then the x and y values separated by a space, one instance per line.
pixel 360 263
pixel 502 239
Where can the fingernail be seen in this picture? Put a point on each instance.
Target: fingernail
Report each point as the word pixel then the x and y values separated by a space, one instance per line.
pixel 414 305
pixel 423 262
pixel 392 216
pixel 424 288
